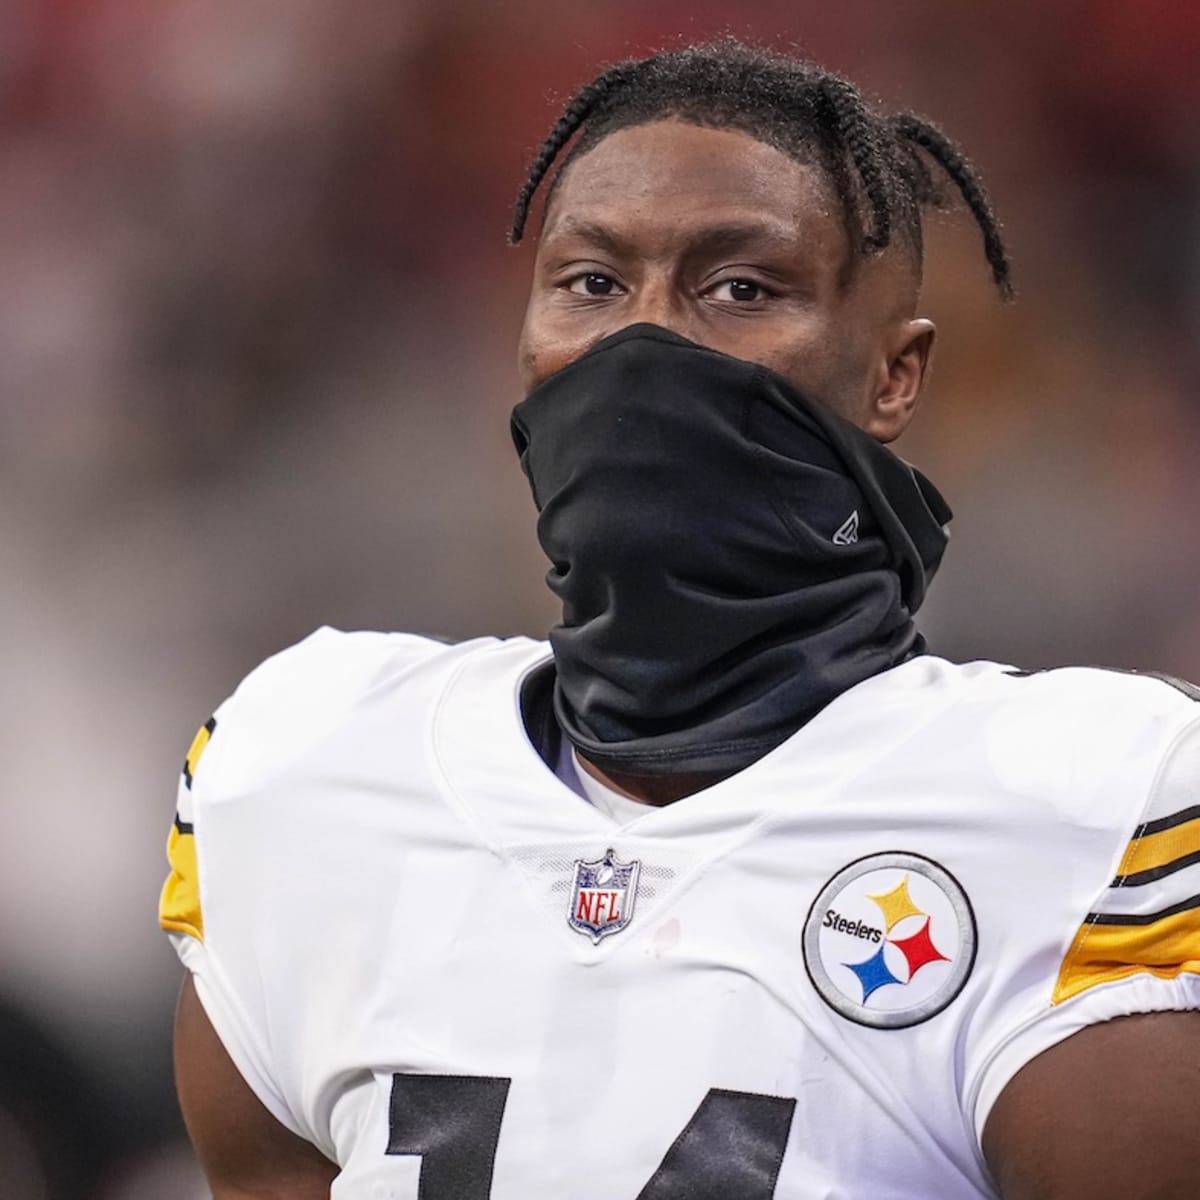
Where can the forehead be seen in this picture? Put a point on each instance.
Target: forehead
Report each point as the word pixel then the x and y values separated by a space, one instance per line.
pixel 660 181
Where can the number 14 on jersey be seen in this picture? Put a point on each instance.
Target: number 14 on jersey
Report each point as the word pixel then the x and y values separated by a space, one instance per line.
pixel 733 1145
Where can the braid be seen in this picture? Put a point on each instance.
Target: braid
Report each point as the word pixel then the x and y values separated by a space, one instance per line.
pixel 851 129
pixel 944 152
pixel 577 111
pixel 872 159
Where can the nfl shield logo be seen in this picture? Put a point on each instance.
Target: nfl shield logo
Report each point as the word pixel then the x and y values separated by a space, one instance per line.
pixel 602 896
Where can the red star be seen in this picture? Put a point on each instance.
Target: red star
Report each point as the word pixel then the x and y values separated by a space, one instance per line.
pixel 919 950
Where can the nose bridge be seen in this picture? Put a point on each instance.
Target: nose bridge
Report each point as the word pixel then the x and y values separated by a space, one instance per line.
pixel 660 301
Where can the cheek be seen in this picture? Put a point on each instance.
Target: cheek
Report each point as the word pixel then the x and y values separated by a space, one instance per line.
pixel 829 369
pixel 544 350
pixel 527 366
pixel 537 362
pixel 811 364
pixel 531 353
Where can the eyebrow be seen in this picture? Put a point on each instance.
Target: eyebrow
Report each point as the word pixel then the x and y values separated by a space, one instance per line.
pixel 712 239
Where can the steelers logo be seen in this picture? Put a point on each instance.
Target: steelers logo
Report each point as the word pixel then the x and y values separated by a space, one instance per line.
pixel 890 940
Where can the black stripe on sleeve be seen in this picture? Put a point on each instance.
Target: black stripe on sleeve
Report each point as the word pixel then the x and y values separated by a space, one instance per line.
pixel 211 726
pixel 184 826
pixel 1143 918
pixel 1169 822
pixel 1153 874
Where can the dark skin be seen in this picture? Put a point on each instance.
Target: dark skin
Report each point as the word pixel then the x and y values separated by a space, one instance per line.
pixel 736 246
pixel 245 1153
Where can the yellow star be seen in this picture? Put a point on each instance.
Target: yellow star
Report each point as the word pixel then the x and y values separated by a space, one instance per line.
pixel 897 904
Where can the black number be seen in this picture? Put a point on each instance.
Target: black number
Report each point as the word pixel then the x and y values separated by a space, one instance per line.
pixel 733 1146
pixel 453 1122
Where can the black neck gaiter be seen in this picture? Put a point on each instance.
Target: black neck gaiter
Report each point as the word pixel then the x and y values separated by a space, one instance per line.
pixel 730 555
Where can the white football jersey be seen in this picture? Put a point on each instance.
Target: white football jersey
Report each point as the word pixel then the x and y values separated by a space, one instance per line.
pixel 436 961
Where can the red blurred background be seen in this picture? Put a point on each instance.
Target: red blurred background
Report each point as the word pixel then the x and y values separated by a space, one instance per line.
pixel 257 350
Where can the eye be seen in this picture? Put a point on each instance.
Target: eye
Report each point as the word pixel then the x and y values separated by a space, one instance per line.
pixel 592 284
pixel 739 290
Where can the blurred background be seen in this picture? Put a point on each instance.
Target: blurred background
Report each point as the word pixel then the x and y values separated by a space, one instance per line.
pixel 257 350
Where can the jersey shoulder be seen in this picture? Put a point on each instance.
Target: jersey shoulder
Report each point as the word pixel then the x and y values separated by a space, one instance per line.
pixel 1148 690
pixel 297 697
pixel 1053 718
pixel 358 694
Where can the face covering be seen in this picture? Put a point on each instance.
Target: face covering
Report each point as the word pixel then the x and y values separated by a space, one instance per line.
pixel 729 554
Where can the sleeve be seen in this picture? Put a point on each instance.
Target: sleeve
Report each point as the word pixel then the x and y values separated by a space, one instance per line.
pixel 181 916
pixel 239 839
pixel 1138 949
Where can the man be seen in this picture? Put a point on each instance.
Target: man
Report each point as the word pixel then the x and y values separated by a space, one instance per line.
pixel 733 891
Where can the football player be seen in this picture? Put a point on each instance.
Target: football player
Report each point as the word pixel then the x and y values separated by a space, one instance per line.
pixel 731 891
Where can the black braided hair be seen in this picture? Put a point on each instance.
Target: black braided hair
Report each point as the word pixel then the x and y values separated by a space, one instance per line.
pixel 875 160
pixel 850 128
pixel 947 155
pixel 576 112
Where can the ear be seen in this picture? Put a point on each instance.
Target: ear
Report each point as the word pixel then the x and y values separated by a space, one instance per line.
pixel 901 376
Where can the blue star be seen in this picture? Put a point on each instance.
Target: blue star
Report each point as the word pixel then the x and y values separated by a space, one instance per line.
pixel 872 974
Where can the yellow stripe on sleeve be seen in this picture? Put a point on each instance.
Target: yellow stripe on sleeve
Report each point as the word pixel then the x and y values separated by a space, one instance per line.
pixel 1159 849
pixel 179 905
pixel 1105 951
pixel 197 748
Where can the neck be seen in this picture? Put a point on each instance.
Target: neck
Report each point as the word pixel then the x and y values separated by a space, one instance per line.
pixel 655 790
